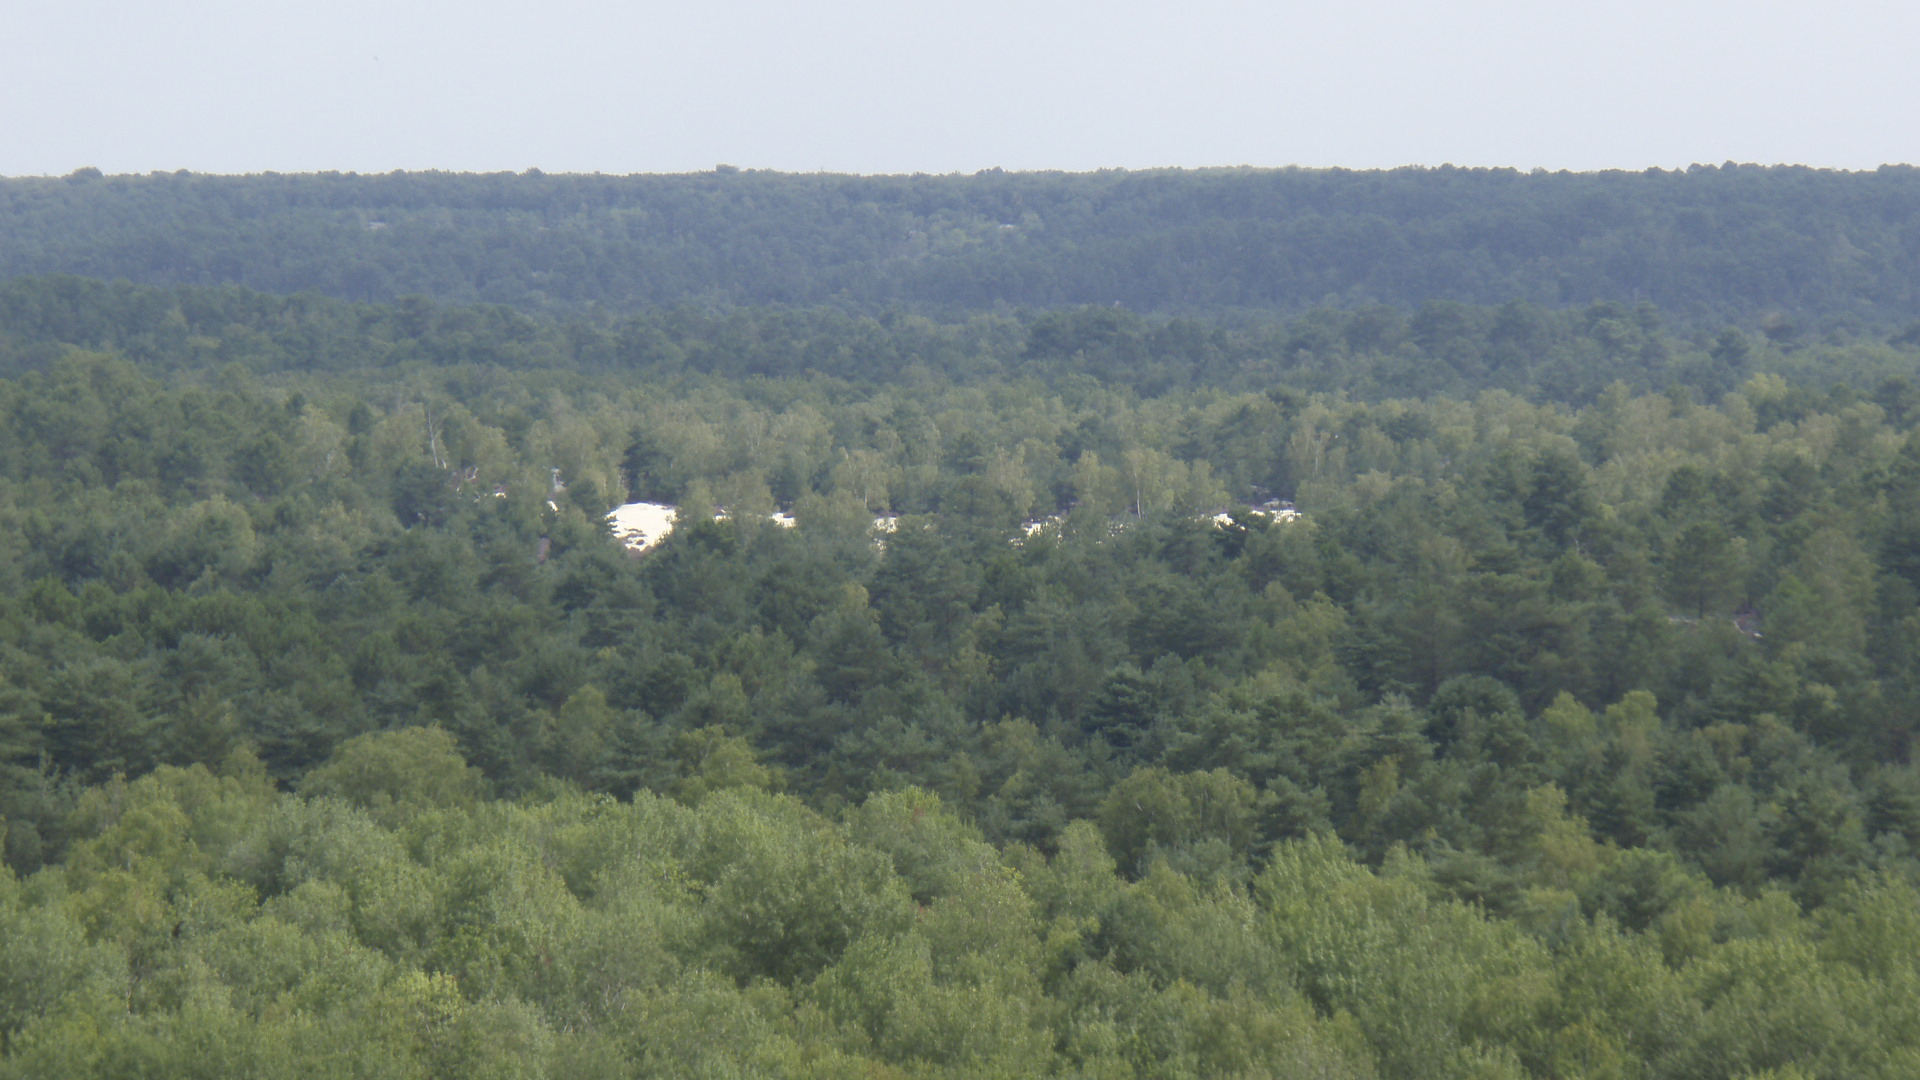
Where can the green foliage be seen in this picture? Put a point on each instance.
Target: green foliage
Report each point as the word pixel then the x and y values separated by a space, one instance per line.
pixel 714 761
pixel 208 925
pixel 394 774
pixel 1192 818
pixel 1564 729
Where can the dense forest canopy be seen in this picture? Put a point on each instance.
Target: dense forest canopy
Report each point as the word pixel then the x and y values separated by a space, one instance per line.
pixel 1374 353
pixel 1734 243
pixel 1568 730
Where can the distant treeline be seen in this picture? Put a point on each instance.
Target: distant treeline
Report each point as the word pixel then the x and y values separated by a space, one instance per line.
pixel 1373 353
pixel 1761 247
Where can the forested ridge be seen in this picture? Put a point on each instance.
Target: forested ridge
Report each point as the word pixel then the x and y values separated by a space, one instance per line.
pixel 1733 243
pixel 1567 732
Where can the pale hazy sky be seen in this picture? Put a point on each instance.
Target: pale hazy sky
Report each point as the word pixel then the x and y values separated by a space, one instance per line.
pixel 897 86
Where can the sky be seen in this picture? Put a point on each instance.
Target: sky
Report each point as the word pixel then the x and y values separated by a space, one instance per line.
pixel 894 86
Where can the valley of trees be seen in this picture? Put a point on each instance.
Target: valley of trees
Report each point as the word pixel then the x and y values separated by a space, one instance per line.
pixel 1568 733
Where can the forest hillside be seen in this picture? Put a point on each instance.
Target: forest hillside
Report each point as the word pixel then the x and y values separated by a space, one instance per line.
pixel 983 715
